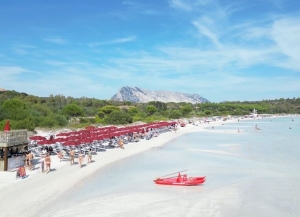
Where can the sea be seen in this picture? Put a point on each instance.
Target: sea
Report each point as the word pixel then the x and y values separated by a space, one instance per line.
pixel 249 172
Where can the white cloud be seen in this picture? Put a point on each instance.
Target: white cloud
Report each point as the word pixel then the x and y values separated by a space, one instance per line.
pixel 56 40
pixel 206 31
pixel 22 49
pixel 11 70
pixel 114 41
pixel 286 34
pixel 256 33
pixel 54 63
pixel 180 5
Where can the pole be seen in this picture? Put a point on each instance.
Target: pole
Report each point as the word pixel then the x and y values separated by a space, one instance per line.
pixel 5 158
pixel 174 173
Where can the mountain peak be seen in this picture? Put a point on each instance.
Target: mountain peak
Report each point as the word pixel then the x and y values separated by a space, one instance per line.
pixel 136 94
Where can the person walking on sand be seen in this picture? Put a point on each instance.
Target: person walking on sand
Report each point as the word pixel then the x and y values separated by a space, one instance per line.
pixel 48 162
pixel 72 156
pixel 90 156
pixel 80 159
pixel 62 154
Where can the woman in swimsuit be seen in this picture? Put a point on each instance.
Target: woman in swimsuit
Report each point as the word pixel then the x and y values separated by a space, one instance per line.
pixel 80 159
pixel 48 162
pixel 90 156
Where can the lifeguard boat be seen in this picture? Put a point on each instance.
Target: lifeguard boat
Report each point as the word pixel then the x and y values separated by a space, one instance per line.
pixel 181 180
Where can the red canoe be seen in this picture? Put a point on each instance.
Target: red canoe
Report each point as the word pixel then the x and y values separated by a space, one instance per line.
pixel 181 180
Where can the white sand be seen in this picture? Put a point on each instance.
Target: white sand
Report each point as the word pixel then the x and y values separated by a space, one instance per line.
pixel 24 197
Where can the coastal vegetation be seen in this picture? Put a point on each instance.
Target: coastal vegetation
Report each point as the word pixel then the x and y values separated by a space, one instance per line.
pixel 29 112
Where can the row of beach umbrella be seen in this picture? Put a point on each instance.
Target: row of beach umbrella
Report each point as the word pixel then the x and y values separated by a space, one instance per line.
pixel 91 133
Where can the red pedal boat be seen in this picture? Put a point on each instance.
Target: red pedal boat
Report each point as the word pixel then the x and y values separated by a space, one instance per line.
pixel 181 180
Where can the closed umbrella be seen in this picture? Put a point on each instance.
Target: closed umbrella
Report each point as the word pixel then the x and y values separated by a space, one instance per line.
pixel 7 126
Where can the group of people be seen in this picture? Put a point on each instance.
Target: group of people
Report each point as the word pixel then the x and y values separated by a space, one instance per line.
pixel 45 161
pixel 81 156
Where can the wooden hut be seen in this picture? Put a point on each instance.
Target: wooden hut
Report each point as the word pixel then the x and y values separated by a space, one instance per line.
pixel 11 144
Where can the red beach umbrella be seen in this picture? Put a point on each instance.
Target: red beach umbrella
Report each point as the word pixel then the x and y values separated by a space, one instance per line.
pixel 46 142
pixel 37 138
pixel 59 139
pixel 62 134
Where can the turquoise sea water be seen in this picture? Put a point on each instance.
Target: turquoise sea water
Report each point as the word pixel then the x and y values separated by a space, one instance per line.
pixel 251 173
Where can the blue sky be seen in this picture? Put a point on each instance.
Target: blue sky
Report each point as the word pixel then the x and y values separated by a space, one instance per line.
pixel 223 50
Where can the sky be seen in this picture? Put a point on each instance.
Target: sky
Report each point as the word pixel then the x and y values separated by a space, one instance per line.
pixel 223 50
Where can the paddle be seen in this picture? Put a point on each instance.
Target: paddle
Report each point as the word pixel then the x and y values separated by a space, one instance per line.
pixel 174 173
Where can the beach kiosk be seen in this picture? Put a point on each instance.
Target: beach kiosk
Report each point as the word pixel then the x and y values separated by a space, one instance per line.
pixel 12 143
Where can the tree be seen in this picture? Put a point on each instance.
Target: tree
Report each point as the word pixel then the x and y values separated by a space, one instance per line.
pixel 16 109
pixel 72 110
pixel 60 120
pixel 151 109
pixel 207 112
pixel 118 117
pixel 109 109
pixel 175 114
pixel 133 111
pixel 186 109
pixel 101 114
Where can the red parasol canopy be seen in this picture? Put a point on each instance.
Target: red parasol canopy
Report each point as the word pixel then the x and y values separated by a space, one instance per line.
pixel 62 134
pixel 37 138
pixel 45 142
pixel 59 139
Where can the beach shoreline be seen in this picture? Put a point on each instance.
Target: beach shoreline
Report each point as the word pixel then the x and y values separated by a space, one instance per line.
pixel 30 195
pixel 40 189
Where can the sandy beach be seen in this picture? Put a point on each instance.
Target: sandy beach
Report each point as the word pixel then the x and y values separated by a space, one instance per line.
pixel 238 171
pixel 26 196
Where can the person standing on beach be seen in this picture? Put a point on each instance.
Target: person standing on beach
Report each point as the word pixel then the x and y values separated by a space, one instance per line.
pixel 121 143
pixel 80 159
pixel 50 150
pixel 90 156
pixel 48 162
pixel 59 155
pixel 27 160
pixel 30 158
pixel 42 165
pixel 72 156
pixel 44 152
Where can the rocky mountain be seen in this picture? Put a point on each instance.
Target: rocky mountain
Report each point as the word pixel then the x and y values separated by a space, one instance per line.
pixel 135 94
